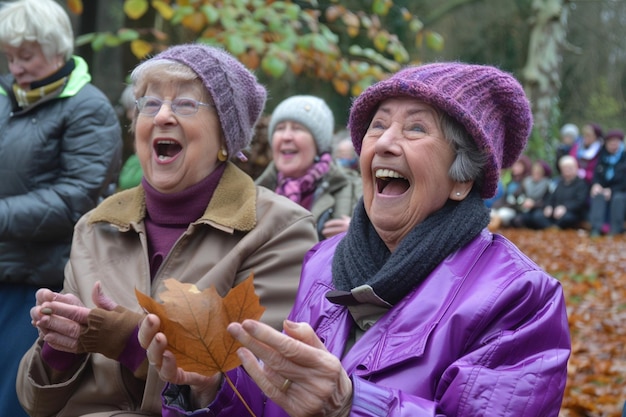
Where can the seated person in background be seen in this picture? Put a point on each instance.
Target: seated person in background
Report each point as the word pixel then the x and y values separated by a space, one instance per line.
pixel 303 168
pixel 566 206
pixel 587 149
pixel 418 310
pixel 504 210
pixel 608 192
pixel 345 155
pixel 535 188
pixel 568 136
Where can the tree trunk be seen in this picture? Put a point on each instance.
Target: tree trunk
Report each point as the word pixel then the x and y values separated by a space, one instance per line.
pixel 542 72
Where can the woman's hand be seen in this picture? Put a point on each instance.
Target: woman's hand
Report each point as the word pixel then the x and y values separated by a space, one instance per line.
pixel 335 226
pixel 203 389
pixel 60 318
pixel 297 372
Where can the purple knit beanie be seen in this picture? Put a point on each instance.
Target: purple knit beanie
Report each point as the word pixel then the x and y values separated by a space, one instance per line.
pixel 488 102
pixel 238 97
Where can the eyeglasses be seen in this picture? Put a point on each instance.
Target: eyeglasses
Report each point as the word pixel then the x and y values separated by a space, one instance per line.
pixel 181 106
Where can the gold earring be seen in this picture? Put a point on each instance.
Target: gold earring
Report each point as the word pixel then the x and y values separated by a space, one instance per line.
pixel 222 155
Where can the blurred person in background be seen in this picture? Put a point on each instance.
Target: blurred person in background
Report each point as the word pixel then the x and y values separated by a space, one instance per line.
pixel 587 149
pixel 61 152
pixel 508 205
pixel 303 169
pixel 569 134
pixel 566 206
pixel 345 155
pixel 608 189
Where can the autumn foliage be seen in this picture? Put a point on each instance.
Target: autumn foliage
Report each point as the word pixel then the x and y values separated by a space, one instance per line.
pixel 593 275
pixel 195 322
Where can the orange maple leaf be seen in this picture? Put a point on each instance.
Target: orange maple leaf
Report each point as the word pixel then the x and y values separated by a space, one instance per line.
pixel 195 322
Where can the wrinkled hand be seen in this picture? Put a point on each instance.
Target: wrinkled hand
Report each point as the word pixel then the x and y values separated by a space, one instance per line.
pixel 60 318
pixel 336 226
pixel 319 385
pixel 203 388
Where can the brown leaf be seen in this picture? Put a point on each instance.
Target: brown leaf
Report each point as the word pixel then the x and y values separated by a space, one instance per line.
pixel 195 322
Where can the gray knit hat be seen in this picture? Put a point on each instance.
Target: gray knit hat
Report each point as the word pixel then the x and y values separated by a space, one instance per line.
pixel 238 97
pixel 489 103
pixel 311 112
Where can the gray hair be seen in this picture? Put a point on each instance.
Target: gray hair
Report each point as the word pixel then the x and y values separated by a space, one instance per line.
pixel 44 22
pixel 469 161
pixel 155 71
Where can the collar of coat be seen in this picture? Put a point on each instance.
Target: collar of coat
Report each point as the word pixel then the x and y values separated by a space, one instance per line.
pixel 232 207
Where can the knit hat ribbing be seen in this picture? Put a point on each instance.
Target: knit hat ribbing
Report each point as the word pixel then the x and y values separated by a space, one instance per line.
pixel 311 112
pixel 489 103
pixel 238 97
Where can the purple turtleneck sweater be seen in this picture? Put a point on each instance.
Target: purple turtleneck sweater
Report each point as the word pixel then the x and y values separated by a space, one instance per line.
pixel 169 215
pixel 167 218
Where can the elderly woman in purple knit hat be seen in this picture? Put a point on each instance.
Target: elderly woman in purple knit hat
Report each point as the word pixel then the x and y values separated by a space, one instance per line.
pixel 195 217
pixel 418 310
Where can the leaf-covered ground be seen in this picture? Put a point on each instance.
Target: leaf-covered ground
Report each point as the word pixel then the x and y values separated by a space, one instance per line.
pixel 593 274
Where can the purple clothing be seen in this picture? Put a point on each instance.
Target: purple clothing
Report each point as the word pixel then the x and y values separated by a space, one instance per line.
pixel 169 215
pixel 486 334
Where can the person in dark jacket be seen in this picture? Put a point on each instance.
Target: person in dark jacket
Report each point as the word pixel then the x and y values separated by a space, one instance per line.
pixel 418 310
pixel 302 169
pixel 566 206
pixel 60 143
pixel 608 191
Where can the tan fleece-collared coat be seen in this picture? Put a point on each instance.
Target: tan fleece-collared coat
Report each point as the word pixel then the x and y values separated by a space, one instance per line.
pixel 244 229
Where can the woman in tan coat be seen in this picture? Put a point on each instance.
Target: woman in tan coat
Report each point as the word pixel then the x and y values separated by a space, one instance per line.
pixel 195 217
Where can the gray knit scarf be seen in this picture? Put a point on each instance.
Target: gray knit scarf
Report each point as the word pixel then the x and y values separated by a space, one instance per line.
pixel 362 258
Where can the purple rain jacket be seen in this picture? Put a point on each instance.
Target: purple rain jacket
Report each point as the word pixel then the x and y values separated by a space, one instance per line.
pixel 486 334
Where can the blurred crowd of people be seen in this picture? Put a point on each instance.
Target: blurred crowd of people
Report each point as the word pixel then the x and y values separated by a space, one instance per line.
pixel 584 187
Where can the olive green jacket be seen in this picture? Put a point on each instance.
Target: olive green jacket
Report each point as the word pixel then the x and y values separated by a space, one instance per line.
pixel 336 194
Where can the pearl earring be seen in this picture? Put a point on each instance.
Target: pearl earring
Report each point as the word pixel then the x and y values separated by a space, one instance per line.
pixel 458 194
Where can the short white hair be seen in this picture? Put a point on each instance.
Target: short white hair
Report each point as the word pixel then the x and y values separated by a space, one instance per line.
pixel 44 22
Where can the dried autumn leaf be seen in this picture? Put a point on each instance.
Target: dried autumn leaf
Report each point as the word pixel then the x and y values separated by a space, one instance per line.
pixel 140 48
pixel 164 9
pixel 195 322
pixel 75 6
pixel 194 21
pixel 134 9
